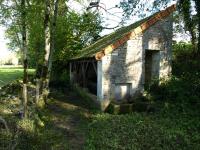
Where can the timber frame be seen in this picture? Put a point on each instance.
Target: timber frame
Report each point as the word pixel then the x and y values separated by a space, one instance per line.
pixel 79 68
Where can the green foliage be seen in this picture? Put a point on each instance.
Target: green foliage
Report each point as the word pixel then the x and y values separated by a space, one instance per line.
pixel 175 124
pixel 60 77
pixel 74 32
pixel 90 103
pixel 27 125
pixel 185 9
pixel 184 86
pixel 36 132
pixel 141 8
pixel 8 75
pixel 143 131
pixel 91 50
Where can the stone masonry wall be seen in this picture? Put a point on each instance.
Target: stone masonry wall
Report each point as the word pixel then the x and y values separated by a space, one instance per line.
pixel 125 66
pixel 159 37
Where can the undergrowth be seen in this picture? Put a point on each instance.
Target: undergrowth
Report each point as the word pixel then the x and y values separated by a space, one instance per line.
pixel 175 124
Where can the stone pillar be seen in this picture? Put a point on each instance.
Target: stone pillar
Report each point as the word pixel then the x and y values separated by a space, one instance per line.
pixel 99 81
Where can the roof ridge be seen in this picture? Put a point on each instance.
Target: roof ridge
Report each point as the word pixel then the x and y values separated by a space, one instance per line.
pixel 106 45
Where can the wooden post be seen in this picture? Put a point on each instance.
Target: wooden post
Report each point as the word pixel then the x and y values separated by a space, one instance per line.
pixel 83 74
pixel 85 71
pixel 95 67
pixel 70 73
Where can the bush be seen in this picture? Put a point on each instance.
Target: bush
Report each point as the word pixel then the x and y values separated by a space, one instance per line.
pixel 184 85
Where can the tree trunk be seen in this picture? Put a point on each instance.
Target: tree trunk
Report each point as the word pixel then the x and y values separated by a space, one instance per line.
pixel 44 78
pixel 25 62
pixel 53 32
pixel 37 75
pixel 197 4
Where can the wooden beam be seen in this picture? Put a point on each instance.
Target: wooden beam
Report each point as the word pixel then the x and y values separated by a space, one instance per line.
pixel 83 74
pixel 87 63
pixel 95 67
pixel 70 72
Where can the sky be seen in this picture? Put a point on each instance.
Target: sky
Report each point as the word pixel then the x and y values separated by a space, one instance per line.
pixel 4 52
pixel 113 20
pixel 110 20
pixel 113 16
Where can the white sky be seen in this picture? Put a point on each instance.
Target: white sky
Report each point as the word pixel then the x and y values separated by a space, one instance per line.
pixel 4 52
pixel 113 20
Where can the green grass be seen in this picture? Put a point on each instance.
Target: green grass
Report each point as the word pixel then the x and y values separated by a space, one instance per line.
pixel 7 75
pixel 141 131
pixel 174 124
pixel 58 126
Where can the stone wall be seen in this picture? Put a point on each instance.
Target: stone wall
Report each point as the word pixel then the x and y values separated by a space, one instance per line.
pixel 159 38
pixel 123 71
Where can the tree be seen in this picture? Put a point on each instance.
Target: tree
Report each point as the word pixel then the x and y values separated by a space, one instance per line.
pixel 64 31
pixel 47 33
pixel 25 61
pixel 14 12
pixel 53 33
pixel 131 7
pixel 197 5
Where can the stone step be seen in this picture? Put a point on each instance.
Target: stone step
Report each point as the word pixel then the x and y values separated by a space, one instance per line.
pixel 129 107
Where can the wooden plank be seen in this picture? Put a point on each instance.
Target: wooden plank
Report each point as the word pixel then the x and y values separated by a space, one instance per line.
pixel 83 73
pixel 87 64
pixel 132 35
pixel 138 30
pixel 116 45
pixel 70 72
pixel 95 67
pixel 108 50
pixel 144 26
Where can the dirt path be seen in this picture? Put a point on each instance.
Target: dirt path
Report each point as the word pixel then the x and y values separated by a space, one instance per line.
pixel 70 119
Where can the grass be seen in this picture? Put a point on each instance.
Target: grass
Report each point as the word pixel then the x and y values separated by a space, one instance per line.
pixel 60 125
pixel 9 74
pixel 67 122
pixel 175 122
pixel 165 130
pixel 63 125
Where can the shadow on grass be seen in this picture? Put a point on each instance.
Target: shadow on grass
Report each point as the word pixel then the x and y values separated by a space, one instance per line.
pixel 73 98
pixel 69 120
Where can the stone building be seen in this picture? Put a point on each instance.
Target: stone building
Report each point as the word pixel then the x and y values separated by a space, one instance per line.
pixel 117 66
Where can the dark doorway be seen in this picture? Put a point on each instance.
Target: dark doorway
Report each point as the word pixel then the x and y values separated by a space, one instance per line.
pixel 152 65
pixel 91 77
